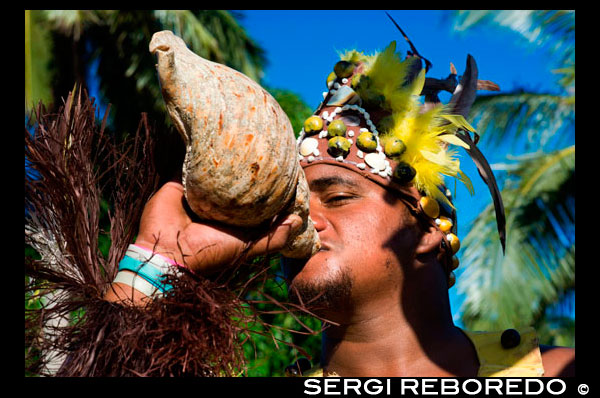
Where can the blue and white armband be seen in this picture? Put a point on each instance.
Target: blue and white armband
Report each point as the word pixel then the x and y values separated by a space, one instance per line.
pixel 147 271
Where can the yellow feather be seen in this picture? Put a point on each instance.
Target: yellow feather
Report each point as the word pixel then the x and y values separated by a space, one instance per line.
pixel 425 134
pixel 462 177
pixel 454 140
pixel 459 121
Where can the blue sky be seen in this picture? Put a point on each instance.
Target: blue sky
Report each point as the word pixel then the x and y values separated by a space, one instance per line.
pixel 302 47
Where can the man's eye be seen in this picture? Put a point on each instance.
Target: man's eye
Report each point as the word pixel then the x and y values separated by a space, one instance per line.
pixel 339 199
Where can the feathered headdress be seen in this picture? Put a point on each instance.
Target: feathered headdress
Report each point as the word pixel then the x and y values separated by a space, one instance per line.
pixel 373 121
pixel 424 135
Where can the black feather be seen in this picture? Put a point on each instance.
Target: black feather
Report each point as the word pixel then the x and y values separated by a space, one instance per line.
pixel 465 93
pixel 428 64
pixel 485 171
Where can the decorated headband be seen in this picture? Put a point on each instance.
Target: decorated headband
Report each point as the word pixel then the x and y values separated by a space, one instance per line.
pixel 372 122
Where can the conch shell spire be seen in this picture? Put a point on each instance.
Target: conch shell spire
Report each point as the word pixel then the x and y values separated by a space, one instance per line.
pixel 241 166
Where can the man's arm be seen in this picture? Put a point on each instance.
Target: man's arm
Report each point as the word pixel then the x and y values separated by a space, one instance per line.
pixel 558 361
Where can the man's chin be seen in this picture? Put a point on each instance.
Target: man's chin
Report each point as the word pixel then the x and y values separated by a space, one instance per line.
pixel 322 292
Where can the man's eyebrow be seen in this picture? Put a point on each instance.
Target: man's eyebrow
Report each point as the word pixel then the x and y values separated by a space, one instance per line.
pixel 320 184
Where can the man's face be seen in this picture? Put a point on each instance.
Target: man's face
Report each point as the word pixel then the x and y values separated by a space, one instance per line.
pixel 367 234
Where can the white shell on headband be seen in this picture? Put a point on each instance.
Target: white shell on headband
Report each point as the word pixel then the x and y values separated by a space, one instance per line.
pixel 375 160
pixel 308 146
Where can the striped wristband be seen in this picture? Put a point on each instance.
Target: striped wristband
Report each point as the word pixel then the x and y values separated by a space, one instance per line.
pixel 148 270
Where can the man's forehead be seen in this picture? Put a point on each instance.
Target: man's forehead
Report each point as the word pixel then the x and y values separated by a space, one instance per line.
pixel 321 176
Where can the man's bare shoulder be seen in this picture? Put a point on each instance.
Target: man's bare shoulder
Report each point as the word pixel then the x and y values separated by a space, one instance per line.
pixel 558 361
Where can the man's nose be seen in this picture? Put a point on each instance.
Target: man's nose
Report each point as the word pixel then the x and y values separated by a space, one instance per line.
pixel 316 215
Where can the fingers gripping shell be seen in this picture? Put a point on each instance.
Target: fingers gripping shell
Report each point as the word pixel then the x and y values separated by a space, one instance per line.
pixel 241 165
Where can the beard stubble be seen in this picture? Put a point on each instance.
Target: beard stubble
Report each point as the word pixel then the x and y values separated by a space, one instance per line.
pixel 322 294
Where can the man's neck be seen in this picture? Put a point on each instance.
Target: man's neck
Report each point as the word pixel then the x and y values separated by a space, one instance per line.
pixel 411 335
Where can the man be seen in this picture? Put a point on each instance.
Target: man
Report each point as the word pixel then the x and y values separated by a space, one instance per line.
pixel 385 224
pixel 389 296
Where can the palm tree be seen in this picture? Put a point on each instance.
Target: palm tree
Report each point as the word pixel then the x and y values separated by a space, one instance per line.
pixel 537 274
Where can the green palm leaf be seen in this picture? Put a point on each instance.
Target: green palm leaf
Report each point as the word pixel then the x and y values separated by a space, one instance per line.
pixel 539 263
pixel 187 26
pixel 72 23
pixel 555 28
pixel 513 116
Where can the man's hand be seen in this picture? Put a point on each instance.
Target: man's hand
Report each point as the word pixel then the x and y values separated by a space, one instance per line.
pixel 167 228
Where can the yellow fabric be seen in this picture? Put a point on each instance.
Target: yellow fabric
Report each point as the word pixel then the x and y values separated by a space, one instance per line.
pixel 524 360
pixel 314 372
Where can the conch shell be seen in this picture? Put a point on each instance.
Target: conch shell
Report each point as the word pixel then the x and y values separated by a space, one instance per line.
pixel 241 164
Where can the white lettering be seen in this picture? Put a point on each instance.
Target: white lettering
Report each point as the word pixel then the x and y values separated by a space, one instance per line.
pixel 377 390
pixel 310 383
pixel 464 388
pixel 510 383
pixel 497 387
pixel 539 383
pixel 413 388
pixel 355 387
pixel 427 386
pixel 449 389
pixel 331 382
pixel 428 383
pixel 564 386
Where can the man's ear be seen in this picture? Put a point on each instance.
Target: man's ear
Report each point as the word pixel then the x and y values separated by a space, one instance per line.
pixel 430 242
